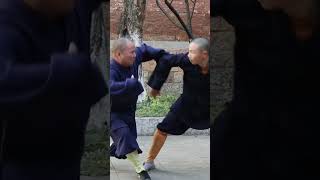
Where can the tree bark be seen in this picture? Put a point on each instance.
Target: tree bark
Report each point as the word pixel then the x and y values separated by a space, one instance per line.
pixel 99 44
pixel 131 26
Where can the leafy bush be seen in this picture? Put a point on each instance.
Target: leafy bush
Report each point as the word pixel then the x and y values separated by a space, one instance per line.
pixel 155 107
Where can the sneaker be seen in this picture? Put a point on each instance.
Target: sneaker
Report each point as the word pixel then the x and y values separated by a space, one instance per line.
pixel 143 175
pixel 149 165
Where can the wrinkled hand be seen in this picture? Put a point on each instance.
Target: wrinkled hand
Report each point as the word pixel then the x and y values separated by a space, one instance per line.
pixel 154 93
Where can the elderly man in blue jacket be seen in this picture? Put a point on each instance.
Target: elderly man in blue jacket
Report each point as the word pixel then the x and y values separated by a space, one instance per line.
pixel 124 90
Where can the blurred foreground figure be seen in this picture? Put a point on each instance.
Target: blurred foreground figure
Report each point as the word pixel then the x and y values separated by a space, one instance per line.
pixel 47 86
pixel 271 128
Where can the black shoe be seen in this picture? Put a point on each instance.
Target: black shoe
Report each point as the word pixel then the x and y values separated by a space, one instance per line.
pixel 143 175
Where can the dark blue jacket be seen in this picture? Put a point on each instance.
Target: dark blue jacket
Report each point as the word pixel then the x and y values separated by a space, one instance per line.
pixel 124 90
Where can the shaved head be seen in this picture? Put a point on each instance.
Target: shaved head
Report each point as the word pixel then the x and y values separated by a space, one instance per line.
pixel 199 51
pixel 202 43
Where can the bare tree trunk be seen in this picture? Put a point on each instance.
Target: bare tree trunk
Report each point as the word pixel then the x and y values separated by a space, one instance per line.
pixel 99 44
pixel 189 18
pixel 131 26
pixel 97 129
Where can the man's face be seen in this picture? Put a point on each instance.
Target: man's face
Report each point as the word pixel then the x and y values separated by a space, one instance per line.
pixel 128 56
pixel 273 4
pixel 195 55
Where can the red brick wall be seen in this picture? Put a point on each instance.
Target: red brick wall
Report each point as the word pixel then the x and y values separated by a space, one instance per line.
pixel 158 27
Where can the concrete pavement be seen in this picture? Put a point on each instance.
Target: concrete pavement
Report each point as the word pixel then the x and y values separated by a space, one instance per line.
pixel 95 178
pixel 181 158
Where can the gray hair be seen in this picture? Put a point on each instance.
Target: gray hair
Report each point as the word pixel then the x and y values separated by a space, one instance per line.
pixel 202 43
pixel 120 44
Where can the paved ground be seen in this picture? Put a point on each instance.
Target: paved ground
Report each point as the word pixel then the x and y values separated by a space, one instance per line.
pixel 94 178
pixel 181 158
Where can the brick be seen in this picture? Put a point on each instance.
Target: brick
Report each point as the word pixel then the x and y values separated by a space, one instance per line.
pixel 158 27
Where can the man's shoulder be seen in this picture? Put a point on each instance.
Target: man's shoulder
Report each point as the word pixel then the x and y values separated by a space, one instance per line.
pixel 114 73
pixel 141 48
pixel 183 57
pixel 114 68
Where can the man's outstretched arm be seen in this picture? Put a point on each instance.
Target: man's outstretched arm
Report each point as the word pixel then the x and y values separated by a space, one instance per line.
pixel 164 65
pixel 147 53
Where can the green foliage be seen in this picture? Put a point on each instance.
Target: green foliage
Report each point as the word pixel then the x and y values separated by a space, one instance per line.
pixel 155 107
pixel 95 160
pixel 95 163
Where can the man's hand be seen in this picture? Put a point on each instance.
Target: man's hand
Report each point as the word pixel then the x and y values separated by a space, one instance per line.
pixel 154 93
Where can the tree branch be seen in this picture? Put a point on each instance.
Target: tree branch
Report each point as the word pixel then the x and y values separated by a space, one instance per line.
pixel 168 16
pixel 188 15
pixel 193 7
pixel 179 18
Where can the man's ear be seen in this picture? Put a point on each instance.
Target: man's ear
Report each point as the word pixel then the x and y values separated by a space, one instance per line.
pixel 117 54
